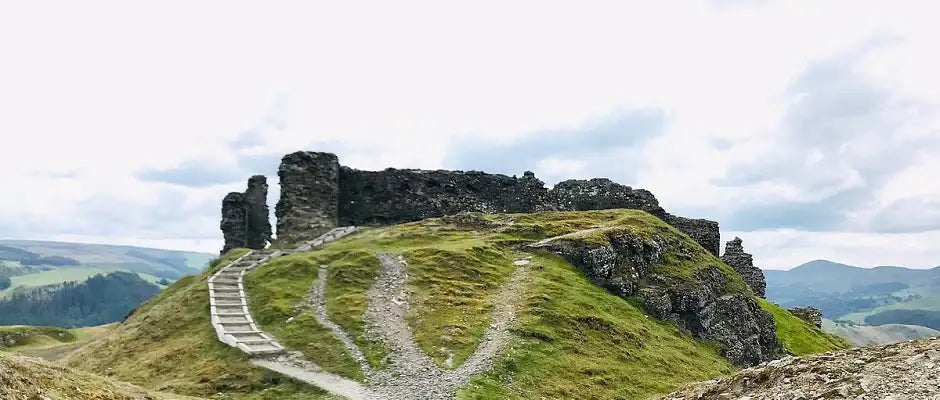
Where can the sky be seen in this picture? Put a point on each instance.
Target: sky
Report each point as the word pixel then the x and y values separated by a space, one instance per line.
pixel 806 128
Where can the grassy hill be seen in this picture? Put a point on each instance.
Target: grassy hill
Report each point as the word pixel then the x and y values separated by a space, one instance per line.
pixel 572 339
pixel 47 342
pixel 30 378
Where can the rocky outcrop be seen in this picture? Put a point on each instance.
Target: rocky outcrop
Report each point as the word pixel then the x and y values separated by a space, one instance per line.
pixel 808 314
pixel 309 203
pixel 703 304
pixel 317 194
pixel 743 264
pixel 905 370
pixel 245 222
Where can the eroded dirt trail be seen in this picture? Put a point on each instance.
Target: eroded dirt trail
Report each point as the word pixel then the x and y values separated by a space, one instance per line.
pixel 317 300
pixel 412 374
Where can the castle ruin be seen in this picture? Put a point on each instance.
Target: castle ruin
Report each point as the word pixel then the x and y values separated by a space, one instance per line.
pixel 319 194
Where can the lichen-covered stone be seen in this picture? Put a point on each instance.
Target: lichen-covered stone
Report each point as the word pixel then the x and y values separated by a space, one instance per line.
pixel 808 314
pixel 234 223
pixel 743 264
pixel 703 305
pixel 309 203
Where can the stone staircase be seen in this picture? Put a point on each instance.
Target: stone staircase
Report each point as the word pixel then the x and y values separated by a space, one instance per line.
pixel 228 302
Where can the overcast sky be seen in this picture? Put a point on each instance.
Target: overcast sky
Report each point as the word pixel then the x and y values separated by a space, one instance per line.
pixel 809 129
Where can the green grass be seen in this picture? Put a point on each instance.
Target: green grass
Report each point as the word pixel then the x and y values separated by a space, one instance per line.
pixel 580 342
pixel 59 275
pixel 50 343
pixel 800 337
pixel 29 378
pixel 13 337
pixel 275 291
pixel 169 345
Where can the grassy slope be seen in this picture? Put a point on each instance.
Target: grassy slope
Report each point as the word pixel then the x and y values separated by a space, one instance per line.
pixel 575 340
pixel 54 346
pixel 29 378
pixel 798 336
pixel 569 326
pixel 169 345
pixel 21 336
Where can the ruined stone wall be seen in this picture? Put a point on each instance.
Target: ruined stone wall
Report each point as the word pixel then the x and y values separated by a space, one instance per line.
pixel 402 195
pixel 309 203
pixel 808 314
pixel 703 231
pixel 257 215
pixel 234 223
pixel 602 194
pixel 743 264
pixel 317 194
pixel 245 221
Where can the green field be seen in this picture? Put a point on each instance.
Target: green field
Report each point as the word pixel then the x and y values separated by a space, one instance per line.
pixel 62 275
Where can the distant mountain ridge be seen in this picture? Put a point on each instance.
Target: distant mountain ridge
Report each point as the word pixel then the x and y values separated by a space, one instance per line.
pixel 856 297
pixel 76 284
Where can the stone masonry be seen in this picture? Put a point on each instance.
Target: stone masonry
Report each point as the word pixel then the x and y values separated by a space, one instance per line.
pixel 245 221
pixel 309 203
pixel 317 194
pixel 743 264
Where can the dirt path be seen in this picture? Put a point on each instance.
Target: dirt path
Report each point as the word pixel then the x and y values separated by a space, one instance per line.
pixel 318 301
pixel 295 366
pixel 412 374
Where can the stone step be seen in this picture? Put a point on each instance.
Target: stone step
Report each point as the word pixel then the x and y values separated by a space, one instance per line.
pixel 229 313
pixel 239 336
pixel 228 302
pixel 226 295
pixel 225 279
pixel 233 319
pixel 238 327
pixel 232 308
pixel 225 289
pixel 224 285
pixel 264 348
pixel 256 341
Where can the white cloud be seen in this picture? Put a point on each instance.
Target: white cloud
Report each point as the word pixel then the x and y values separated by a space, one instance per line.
pixel 95 94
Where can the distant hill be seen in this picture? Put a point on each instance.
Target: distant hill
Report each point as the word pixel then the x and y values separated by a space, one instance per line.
pixel 904 301
pixel 99 300
pixel 75 284
pixel 169 264
pixel 863 335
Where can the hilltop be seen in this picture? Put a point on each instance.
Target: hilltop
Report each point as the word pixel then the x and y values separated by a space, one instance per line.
pixel 576 330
